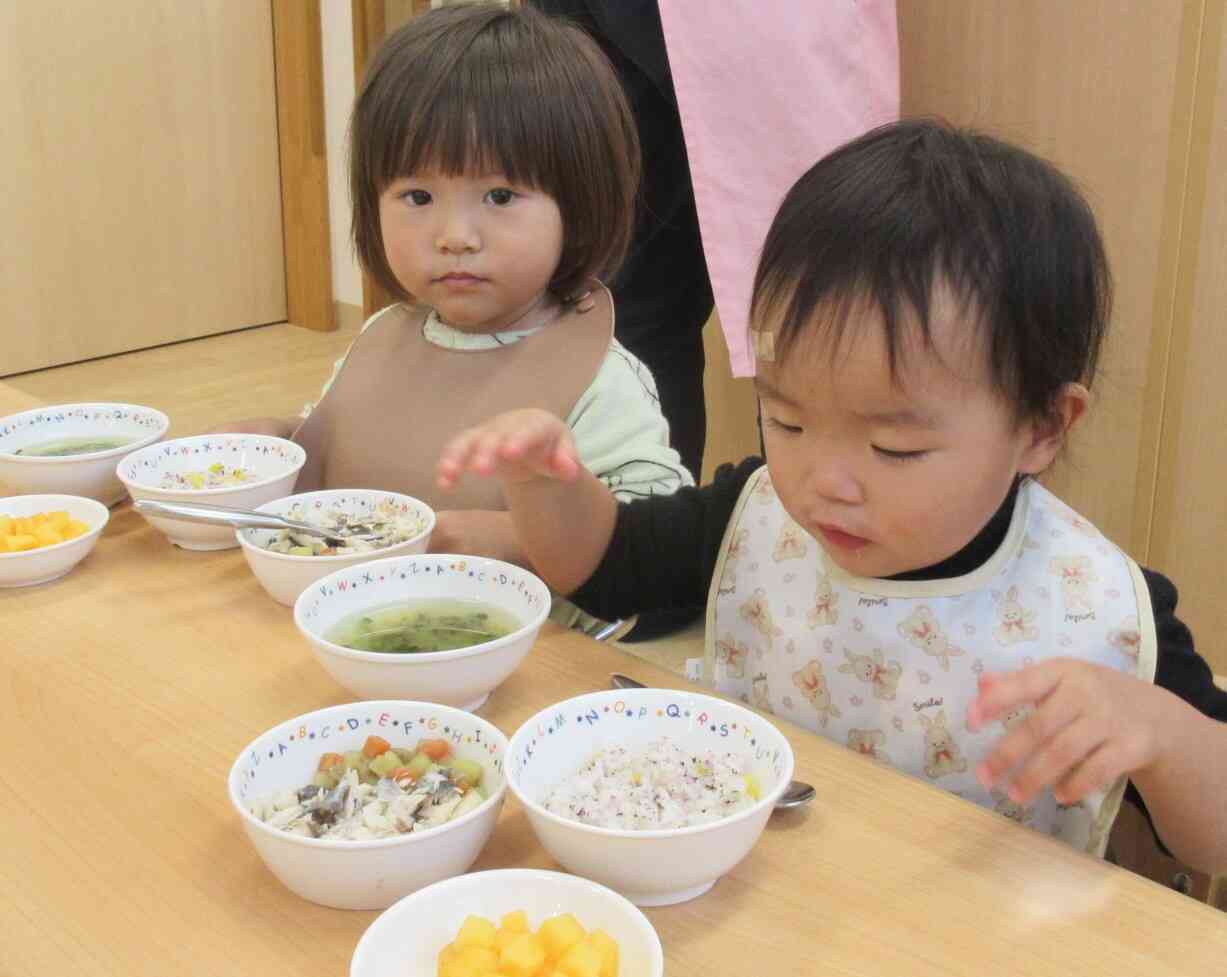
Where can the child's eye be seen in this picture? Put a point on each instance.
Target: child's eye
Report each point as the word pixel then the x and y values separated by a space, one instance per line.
pixel 899 455
pixel 782 427
pixel 418 198
pixel 500 196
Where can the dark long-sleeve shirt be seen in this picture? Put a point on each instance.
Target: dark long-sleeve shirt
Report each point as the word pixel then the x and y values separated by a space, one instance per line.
pixel 664 552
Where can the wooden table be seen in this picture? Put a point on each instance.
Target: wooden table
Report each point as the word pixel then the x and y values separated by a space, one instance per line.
pixel 128 688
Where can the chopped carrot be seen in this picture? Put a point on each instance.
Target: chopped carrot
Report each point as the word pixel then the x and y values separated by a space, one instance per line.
pixel 435 749
pixel 375 746
pixel 403 773
pixel 330 760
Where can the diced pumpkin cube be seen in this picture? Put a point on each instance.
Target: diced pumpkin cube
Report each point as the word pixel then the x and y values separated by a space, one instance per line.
pixel 58 519
pixel 47 536
pixel 6 525
pixel 505 937
pixel 523 957
pixel 581 960
pixel 74 528
pixel 477 959
pixel 475 931
pixel 559 934
pixel 516 922
pixel 607 947
pixel 22 541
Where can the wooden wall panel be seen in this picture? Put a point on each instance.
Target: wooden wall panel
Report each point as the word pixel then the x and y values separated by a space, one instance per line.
pixel 1103 91
pixel 304 163
pixel 1189 530
pixel 140 174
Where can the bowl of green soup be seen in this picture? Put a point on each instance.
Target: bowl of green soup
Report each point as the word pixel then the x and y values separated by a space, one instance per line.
pixel 430 627
pixel 74 449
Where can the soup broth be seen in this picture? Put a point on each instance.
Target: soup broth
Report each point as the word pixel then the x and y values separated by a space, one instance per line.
pixel 423 625
pixel 60 447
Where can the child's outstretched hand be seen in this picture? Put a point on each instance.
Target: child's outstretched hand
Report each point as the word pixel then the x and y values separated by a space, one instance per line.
pixel 1089 725
pixel 518 446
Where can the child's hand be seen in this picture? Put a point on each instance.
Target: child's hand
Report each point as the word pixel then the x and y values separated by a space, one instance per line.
pixel 518 446
pixel 1090 724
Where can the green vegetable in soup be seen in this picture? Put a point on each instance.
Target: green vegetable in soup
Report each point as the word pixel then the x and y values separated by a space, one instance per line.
pixel 385 763
pixel 423 625
pixel 59 447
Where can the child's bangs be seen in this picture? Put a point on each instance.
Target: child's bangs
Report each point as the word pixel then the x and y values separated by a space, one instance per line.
pixel 469 125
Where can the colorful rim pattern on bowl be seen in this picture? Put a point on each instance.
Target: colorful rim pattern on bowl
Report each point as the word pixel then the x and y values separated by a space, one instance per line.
pixel 411 718
pixel 722 723
pixel 152 459
pixel 151 420
pixel 417 565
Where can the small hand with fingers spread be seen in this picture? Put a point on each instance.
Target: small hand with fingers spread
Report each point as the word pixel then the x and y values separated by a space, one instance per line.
pixel 1089 725
pixel 518 446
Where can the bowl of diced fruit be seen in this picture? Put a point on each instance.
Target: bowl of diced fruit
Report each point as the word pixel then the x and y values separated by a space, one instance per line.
pixel 42 537
pixel 72 449
pixel 511 921
pixel 240 471
pixel 365 525
pixel 356 806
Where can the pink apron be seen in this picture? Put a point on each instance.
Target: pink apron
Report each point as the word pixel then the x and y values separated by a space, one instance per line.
pixel 765 89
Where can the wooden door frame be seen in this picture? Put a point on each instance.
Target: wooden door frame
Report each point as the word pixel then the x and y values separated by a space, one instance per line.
pixel 299 60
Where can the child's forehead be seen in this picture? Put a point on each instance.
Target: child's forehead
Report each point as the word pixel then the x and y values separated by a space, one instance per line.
pixel 856 352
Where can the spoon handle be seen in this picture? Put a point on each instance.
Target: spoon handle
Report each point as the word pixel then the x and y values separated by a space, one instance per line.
pixel 215 515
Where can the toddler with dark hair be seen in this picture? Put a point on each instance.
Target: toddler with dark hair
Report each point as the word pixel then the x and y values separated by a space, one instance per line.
pixel 927 317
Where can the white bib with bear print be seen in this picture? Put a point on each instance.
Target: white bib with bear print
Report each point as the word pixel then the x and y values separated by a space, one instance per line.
pixel 889 667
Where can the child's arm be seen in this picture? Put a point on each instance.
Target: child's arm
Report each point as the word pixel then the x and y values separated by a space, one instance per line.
pixel 481 532
pixel 1092 724
pixel 562 515
pixel 278 427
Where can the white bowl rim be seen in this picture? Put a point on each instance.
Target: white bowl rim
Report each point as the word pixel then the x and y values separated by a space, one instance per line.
pixel 342 844
pixel 473 878
pixel 93 532
pixel 423 657
pixel 241 534
pixel 526 728
pixel 130 447
pixel 154 490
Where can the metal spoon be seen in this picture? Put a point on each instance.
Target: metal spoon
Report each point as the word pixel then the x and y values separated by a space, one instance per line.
pixel 247 519
pixel 797 792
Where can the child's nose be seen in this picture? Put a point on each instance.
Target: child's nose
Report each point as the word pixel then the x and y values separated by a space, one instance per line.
pixel 457 234
pixel 835 481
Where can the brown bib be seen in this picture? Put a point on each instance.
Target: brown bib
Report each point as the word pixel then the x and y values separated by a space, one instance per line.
pixel 399 399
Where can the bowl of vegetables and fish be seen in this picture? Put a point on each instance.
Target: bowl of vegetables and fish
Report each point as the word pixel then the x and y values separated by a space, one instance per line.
pixel 365 525
pixel 73 449
pixel 436 627
pixel 356 806
pixel 655 793
pixel 242 471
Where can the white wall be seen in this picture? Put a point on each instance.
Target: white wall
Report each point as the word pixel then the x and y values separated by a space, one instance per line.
pixel 337 32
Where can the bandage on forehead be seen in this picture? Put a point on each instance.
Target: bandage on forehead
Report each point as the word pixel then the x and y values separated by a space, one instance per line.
pixel 763 342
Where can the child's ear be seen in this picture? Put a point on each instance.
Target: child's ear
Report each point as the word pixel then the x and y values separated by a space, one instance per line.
pixel 1048 433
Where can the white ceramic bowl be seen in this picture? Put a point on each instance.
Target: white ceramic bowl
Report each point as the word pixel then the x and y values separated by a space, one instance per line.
pixel 464 677
pixel 366 874
pixel 406 939
pixel 91 475
pixel 275 462
pixel 651 868
pixel 30 567
pixel 285 576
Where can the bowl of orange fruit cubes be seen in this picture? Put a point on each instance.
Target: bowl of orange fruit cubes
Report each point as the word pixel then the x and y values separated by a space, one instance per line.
pixel 510 923
pixel 42 537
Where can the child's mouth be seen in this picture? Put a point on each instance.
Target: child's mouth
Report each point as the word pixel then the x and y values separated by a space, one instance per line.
pixel 842 540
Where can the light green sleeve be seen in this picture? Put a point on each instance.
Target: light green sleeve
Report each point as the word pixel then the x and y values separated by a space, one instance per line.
pixel 620 433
